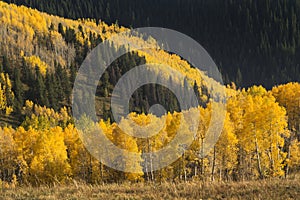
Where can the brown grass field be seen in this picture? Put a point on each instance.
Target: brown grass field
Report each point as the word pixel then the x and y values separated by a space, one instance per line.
pixel 262 189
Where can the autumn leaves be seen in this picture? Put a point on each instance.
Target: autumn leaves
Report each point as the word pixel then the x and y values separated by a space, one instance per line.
pixel 259 140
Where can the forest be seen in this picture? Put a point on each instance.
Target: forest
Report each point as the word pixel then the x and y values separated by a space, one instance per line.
pixel 41 54
pixel 251 41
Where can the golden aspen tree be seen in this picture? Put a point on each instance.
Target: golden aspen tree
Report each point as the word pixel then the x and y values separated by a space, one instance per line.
pixel 294 159
pixel 176 126
pixel 50 157
pixel 261 125
pixel 127 142
pixel 236 105
pixel 41 117
pixel 34 61
pixel 8 154
pixel 197 149
pixel 2 99
pixel 6 94
pixel 155 139
pixel 82 164
pixel 152 128
pixel 275 131
pixel 288 96
pixel 25 140
pixel 74 147
pixel 226 150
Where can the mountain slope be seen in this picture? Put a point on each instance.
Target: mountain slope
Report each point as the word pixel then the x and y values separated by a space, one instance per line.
pixel 42 53
pixel 253 42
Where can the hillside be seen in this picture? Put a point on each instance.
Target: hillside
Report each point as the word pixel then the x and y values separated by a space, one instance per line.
pixel 41 54
pixel 252 42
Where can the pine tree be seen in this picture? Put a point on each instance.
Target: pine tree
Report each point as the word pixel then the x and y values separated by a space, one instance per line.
pixel 40 95
pixel 5 65
pixel 18 90
pixel 51 91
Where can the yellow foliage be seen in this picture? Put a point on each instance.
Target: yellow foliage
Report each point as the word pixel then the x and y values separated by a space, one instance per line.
pixel 227 147
pixel 294 159
pixel 6 94
pixel 49 162
pixel 35 61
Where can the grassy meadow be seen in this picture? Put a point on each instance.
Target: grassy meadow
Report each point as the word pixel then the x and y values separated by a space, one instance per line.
pixel 260 189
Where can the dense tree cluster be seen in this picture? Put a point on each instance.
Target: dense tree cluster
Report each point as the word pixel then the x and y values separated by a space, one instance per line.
pixel 258 140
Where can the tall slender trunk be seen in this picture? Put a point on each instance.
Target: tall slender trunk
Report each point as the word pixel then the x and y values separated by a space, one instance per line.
pixel 270 153
pixel 287 145
pixel 287 165
pixel 183 165
pixel 90 170
pixel 150 174
pixel 146 175
pixel 258 158
pixel 151 168
pixel 213 165
pixel 101 171
pixel 272 163
pixel 202 157
pixel 195 169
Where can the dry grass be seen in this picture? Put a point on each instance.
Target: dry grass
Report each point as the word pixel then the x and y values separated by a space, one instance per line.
pixel 265 189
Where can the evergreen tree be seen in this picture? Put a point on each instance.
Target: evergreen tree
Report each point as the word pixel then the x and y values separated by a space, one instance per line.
pixel 18 91
pixel 40 95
